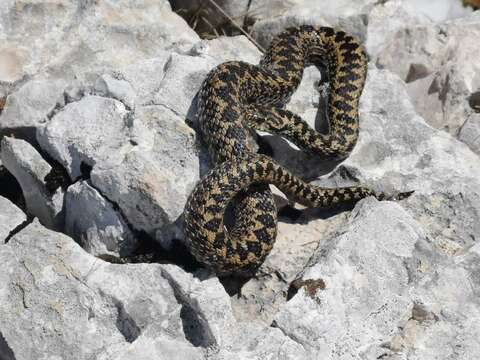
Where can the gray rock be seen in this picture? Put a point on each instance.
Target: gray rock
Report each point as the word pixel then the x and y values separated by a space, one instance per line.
pixel 435 60
pixel 10 217
pixel 30 169
pixel 95 131
pixel 118 89
pixel 345 14
pixel 440 10
pixel 95 223
pixel 388 19
pixel 86 307
pixel 385 292
pixel 27 108
pixel 181 82
pixel 397 151
pixel 264 295
pixel 69 304
pixel 225 337
pixel 145 76
pixel 85 38
pixel 224 49
pixel 470 133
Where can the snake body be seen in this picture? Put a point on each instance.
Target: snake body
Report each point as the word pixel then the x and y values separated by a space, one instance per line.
pixel 236 97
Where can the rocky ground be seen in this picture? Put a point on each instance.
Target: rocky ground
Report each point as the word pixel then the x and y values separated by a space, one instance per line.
pixel 99 153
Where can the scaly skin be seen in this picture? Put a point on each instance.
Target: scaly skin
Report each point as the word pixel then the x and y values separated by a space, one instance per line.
pixel 238 96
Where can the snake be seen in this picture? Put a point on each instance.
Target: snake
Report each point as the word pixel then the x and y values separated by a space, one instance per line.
pixel 237 98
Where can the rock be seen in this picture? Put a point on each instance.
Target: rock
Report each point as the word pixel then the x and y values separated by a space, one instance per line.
pixel 83 306
pixel 345 14
pixel 218 328
pixel 85 38
pixel 94 131
pixel 138 166
pixel 262 296
pixel 397 151
pixel 440 10
pixel 32 172
pixel 222 49
pixel 181 82
pixel 436 63
pixel 470 133
pixel 381 274
pixel 10 218
pixel 140 310
pixel 27 108
pixel 145 77
pixel 95 223
pixel 118 89
pixel 388 19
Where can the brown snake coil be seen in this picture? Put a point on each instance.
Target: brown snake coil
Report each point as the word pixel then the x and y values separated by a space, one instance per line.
pixel 236 97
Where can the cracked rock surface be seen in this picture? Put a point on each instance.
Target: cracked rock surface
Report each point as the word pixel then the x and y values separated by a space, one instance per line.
pixel 10 218
pixel 100 151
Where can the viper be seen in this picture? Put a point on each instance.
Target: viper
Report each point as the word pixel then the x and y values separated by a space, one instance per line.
pixel 238 97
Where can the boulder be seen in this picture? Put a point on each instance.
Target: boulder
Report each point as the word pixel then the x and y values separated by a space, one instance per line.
pixel 32 172
pixel 67 303
pixel 385 291
pixel 96 224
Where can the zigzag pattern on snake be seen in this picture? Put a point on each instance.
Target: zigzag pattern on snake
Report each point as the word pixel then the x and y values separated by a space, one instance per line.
pixel 237 97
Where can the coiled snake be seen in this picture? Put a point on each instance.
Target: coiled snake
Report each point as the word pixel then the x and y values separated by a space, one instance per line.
pixel 236 97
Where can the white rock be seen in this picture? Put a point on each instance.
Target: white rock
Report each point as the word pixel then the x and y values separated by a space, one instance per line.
pixel 30 169
pixel 181 82
pixel 227 338
pixel 96 131
pixel 140 310
pixel 95 224
pixel 388 18
pixel 470 133
pixel 28 107
pixel 10 217
pixel 263 295
pixel 436 62
pixel 118 89
pixel 85 38
pixel 151 187
pixel 397 151
pixel 72 305
pixel 345 14
pixel 440 10
pixel 222 49
pixel 380 272
pixel 145 76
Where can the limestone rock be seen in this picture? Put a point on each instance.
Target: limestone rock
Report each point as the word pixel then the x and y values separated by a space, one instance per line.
pixel 92 131
pixel 28 108
pixel 470 133
pixel 345 14
pixel 10 218
pixel 95 223
pixel 60 301
pixel 118 89
pixel 397 151
pixel 32 171
pixel 86 307
pixel 435 61
pixel 85 37
pixel 385 293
